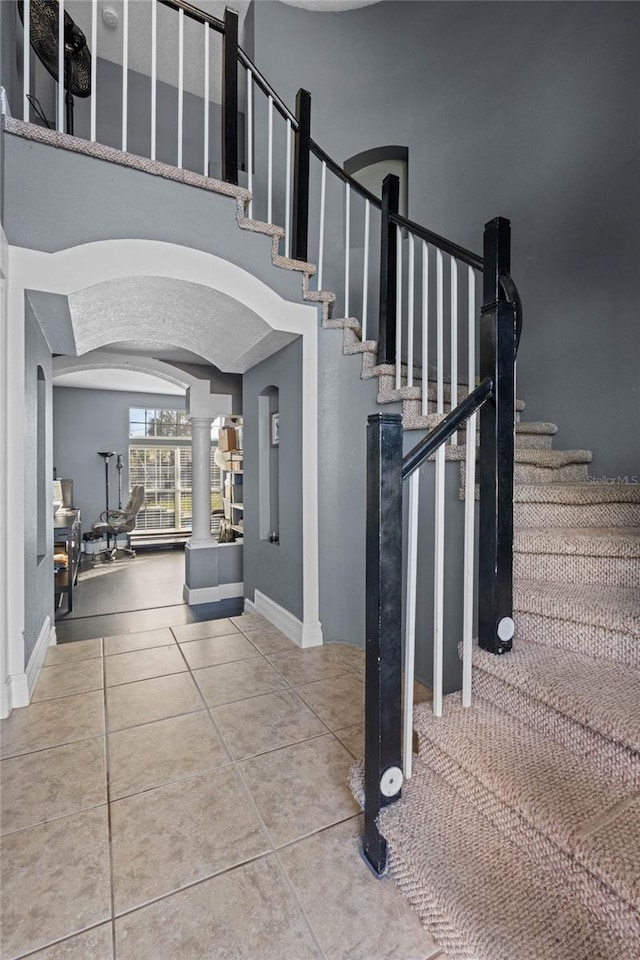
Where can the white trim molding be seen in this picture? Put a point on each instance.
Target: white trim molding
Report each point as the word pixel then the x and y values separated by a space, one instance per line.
pixel 46 639
pixel 17 690
pixel 307 634
pixel 224 591
pixel 71 271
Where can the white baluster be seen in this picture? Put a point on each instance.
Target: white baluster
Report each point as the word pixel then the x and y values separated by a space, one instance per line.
pixel 250 139
pixel 26 61
pixel 410 623
pixel 205 162
pixel 347 244
pixel 323 196
pixel 270 165
pixel 125 71
pixel 439 334
pixel 438 586
pixel 425 328
pixel 398 308
pixel 365 270
pixel 454 339
pixel 410 308
pixel 60 90
pixel 180 83
pixel 94 68
pixel 469 508
pixel 438 581
pixel 287 196
pixel 154 76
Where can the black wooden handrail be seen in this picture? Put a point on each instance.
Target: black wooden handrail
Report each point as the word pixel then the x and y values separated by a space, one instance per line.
pixel 452 422
pixel 448 246
pixel 266 88
pixel 343 175
pixel 195 13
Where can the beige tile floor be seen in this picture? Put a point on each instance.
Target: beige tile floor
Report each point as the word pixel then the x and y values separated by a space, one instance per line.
pixel 181 794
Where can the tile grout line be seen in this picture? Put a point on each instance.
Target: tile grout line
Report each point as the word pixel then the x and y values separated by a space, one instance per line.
pixel 109 824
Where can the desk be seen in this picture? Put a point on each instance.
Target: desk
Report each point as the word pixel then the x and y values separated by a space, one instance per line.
pixel 67 540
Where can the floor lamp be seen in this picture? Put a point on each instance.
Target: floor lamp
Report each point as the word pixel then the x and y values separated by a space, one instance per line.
pixel 106 455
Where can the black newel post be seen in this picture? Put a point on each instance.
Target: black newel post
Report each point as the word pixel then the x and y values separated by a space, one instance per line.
pixel 383 695
pixel 301 176
pixel 230 97
pixel 497 360
pixel 388 255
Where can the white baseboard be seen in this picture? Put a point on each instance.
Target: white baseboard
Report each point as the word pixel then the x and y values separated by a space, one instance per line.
pixel 18 689
pixel 224 591
pixel 302 634
pixel 46 637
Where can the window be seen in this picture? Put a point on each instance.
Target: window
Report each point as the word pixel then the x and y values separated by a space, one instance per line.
pixel 164 469
pixel 165 472
pixel 158 423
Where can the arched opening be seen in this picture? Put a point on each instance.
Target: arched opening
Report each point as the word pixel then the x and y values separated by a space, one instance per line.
pixel 269 463
pixel 371 167
pixel 225 309
pixel 43 511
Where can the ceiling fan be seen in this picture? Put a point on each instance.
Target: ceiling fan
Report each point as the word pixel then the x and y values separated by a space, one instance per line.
pixel 44 18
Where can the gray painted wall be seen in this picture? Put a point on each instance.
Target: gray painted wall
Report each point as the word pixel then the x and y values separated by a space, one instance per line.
pixel 9 54
pixel 38 569
pixel 210 567
pixel 528 110
pixel 85 421
pixel 111 202
pixel 275 568
pixel 345 403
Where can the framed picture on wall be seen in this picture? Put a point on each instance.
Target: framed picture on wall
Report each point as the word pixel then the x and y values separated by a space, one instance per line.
pixel 275 429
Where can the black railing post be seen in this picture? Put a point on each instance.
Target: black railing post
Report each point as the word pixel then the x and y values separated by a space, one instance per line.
pixel 230 97
pixel 388 256
pixel 497 360
pixel 382 757
pixel 301 160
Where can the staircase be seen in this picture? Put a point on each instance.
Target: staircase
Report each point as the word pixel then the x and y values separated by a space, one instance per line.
pixel 518 835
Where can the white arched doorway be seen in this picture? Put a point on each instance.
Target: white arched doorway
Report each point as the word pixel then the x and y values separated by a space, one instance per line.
pixel 118 290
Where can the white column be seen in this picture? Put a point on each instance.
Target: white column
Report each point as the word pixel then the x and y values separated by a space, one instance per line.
pixel 201 479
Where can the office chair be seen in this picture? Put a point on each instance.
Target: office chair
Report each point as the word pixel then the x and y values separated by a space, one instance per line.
pixel 117 522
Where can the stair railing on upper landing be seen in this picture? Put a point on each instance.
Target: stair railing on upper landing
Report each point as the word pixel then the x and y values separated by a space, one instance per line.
pixel 412 291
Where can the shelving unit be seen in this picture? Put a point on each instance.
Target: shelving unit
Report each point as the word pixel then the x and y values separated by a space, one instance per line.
pixel 232 496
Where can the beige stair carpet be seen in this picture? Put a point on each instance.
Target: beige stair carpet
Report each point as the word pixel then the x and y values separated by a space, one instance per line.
pixel 519 833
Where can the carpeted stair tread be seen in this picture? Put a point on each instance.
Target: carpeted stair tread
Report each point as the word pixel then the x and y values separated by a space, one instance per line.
pixel 584 541
pixel 577 494
pixel 552 789
pixel 536 426
pixel 612 843
pixel 593 693
pixel 613 608
pixel 553 458
pixel 480 893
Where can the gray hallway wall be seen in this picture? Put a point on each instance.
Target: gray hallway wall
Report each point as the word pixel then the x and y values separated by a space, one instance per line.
pixel 38 470
pixel 275 569
pixel 527 110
